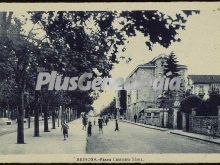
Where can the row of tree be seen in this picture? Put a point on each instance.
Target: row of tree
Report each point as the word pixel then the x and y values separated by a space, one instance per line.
pixel 109 109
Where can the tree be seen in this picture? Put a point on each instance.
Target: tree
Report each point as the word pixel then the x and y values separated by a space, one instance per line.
pixel 212 103
pixel 15 55
pixel 190 102
pixel 110 109
pixel 171 70
pixel 171 66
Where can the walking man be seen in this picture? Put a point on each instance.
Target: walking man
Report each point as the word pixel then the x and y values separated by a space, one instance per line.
pixel 106 120
pixel 89 130
pixel 100 125
pixel 116 125
pixel 135 118
pixel 84 121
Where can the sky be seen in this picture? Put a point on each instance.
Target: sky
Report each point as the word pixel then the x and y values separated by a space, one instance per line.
pixel 199 49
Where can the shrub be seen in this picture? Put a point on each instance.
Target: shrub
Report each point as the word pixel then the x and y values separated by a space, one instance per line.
pixel 190 102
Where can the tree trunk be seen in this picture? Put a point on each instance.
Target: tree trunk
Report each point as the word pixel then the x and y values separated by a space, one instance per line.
pixel 53 119
pixel 46 128
pixel 36 122
pixel 8 110
pixel 29 121
pixel 4 113
pixel 20 119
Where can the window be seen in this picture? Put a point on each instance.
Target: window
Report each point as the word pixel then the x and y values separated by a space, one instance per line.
pixel 201 89
pixel 156 114
pixel 129 99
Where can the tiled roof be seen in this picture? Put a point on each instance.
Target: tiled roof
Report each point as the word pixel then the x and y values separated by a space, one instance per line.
pixel 205 79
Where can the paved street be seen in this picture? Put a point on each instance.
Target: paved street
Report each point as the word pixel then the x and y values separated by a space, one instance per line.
pixel 135 139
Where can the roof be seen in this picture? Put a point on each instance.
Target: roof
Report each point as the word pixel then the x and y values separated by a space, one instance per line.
pixel 158 57
pixel 151 64
pixel 205 79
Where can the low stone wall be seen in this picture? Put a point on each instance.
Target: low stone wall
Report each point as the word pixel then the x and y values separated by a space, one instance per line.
pixel 201 124
pixel 155 121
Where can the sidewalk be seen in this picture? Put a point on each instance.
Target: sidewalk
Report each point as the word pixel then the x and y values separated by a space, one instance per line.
pixel 6 129
pixel 147 126
pixel 48 143
pixel 206 138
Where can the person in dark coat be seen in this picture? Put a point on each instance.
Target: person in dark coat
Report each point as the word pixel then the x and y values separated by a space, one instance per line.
pixel 65 128
pixel 135 118
pixel 100 125
pixel 89 130
pixel 106 120
pixel 84 121
pixel 116 125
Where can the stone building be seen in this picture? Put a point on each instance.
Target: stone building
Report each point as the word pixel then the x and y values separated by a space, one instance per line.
pixel 144 101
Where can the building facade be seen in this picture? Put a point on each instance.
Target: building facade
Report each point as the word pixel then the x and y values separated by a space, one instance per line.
pixel 144 102
pixel 201 85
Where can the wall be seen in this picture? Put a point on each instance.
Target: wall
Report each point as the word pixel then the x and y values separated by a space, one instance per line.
pixel 155 121
pixel 199 124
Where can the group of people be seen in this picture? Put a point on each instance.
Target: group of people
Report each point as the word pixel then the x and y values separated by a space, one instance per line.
pixel 84 122
pixel 101 120
pixel 106 120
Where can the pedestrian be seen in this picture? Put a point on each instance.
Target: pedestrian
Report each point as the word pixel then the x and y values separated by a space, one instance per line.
pixel 106 120
pixel 65 128
pixel 89 130
pixel 84 121
pixel 116 125
pixel 135 118
pixel 100 125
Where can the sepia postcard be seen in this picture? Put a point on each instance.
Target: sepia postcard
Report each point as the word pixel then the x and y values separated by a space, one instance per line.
pixel 110 82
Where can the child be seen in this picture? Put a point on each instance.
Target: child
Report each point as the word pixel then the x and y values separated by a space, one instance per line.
pixel 89 130
pixel 65 128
